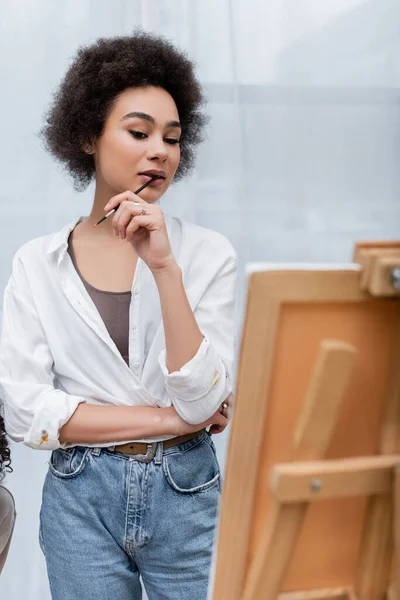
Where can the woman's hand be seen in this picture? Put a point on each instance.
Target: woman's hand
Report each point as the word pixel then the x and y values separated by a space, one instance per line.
pixel 226 410
pixel 218 421
pixel 142 224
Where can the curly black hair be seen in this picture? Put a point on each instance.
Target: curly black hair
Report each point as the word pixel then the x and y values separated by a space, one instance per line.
pixel 102 71
pixel 5 459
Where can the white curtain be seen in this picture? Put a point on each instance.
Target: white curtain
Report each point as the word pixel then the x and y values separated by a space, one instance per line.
pixel 302 156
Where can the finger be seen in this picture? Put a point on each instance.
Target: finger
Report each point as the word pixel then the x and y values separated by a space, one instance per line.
pixel 132 228
pixel 115 201
pixel 224 406
pixel 220 420
pixel 230 404
pixel 124 216
pixel 121 219
pixel 218 427
pixel 229 400
pixel 215 429
pixel 149 222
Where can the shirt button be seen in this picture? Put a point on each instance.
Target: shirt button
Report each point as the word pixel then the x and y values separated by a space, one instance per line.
pixel 135 292
pixel 136 366
pixel 134 327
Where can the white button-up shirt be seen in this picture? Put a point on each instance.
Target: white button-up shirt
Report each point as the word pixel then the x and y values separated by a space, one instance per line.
pixel 55 350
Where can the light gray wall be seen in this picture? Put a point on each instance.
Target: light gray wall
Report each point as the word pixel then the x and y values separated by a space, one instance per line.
pixel 301 158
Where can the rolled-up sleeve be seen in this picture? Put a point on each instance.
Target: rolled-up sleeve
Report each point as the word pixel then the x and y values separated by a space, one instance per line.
pixel 202 384
pixel 34 410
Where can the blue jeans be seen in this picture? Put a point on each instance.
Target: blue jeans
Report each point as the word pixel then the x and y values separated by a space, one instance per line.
pixel 108 518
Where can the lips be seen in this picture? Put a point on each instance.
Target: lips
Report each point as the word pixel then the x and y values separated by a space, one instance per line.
pixel 154 173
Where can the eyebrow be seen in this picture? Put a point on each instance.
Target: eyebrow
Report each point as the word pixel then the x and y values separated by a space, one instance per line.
pixel 146 117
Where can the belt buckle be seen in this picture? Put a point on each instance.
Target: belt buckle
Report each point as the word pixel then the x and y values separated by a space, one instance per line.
pixel 150 454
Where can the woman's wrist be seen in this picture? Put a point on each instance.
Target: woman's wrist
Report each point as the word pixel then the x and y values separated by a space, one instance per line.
pixel 170 420
pixel 170 272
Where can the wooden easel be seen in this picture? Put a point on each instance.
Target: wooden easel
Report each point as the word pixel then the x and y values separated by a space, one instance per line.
pixel 269 519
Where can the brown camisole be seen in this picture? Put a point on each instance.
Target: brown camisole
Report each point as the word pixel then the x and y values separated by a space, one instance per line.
pixel 113 308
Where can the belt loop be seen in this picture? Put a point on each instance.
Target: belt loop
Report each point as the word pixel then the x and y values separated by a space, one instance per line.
pixel 159 454
pixel 96 451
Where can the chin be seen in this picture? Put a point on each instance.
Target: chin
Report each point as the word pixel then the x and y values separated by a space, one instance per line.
pixel 151 196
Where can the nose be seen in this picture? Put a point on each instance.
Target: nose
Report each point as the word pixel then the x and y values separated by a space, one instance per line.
pixel 157 149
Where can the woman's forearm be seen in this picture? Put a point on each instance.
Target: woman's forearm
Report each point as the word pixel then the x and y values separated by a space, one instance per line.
pixel 182 334
pixel 92 424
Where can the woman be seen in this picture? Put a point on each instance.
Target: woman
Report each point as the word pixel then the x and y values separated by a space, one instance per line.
pixel 117 343
pixel 7 507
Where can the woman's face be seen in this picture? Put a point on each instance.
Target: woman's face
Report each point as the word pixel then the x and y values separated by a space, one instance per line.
pixel 140 138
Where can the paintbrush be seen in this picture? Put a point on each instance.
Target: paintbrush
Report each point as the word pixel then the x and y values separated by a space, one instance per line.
pixel 137 203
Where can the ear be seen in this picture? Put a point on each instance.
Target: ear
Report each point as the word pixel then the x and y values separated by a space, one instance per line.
pixel 89 148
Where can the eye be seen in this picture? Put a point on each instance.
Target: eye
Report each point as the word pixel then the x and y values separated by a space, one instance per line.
pixel 171 141
pixel 138 135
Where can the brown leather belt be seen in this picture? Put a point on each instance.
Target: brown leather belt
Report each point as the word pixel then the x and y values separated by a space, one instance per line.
pixel 146 452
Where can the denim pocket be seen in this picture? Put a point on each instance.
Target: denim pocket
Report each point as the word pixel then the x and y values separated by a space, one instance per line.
pixel 67 464
pixel 193 470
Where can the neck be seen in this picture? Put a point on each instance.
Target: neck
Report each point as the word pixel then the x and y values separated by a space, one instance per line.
pixel 102 195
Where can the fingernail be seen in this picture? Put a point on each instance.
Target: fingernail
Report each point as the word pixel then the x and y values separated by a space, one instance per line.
pixel 106 206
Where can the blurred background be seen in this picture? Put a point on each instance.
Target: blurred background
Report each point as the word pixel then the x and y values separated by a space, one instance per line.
pixel 302 156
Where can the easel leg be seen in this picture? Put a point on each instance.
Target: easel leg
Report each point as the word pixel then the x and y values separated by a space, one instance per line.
pixel 272 560
pixel 332 371
pixel 376 550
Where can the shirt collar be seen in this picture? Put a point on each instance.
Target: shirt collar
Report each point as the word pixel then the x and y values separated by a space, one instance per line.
pixel 59 241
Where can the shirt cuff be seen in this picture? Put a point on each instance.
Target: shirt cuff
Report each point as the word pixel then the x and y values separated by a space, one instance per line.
pixel 197 377
pixel 54 411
